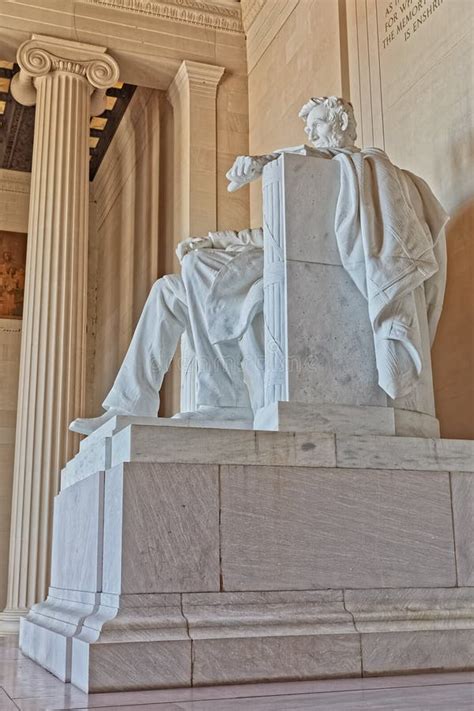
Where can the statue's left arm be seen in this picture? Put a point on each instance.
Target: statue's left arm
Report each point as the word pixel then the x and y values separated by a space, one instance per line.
pixel 233 240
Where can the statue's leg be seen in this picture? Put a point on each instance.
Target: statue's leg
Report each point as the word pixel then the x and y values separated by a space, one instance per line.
pixel 220 381
pixel 252 347
pixel 162 322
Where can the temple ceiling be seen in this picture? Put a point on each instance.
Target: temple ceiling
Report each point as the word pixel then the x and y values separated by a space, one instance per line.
pixel 17 124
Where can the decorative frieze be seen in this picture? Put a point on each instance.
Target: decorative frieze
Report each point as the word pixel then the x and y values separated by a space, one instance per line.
pixel 222 17
pixel 250 10
pixel 12 181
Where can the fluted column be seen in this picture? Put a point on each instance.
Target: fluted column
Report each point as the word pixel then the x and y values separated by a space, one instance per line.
pixel 67 82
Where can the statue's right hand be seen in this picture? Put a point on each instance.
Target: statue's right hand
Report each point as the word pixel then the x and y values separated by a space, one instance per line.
pixel 244 170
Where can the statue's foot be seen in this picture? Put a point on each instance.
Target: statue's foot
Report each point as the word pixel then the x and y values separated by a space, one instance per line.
pixel 87 425
pixel 208 412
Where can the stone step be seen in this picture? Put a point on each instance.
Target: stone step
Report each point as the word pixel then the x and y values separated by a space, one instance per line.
pixel 155 441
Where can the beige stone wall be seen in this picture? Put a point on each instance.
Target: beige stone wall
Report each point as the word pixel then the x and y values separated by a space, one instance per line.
pixel 413 93
pixel 232 128
pixel 123 244
pixel 133 216
pixel 294 52
pixel 14 198
pixel 10 337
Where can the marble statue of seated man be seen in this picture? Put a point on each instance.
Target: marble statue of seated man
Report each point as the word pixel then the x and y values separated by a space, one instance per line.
pixel 188 303
pixel 216 301
pixel 389 230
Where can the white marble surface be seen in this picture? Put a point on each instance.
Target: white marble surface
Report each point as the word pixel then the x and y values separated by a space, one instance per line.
pixel 47 647
pixel 132 641
pixel 257 568
pixel 331 355
pixel 154 440
pixel 266 614
pixel 344 419
pixel 46 633
pixel 31 688
pixel 139 443
pixel 292 658
pixel 77 536
pixel 161 528
pixel 410 609
pixel 369 452
pixel 398 652
pixel 302 528
pixel 462 488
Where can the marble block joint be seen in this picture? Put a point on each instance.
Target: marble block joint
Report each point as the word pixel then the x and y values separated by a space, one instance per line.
pixel 210 556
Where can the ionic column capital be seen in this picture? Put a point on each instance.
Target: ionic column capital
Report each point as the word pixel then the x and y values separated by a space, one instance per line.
pixel 42 55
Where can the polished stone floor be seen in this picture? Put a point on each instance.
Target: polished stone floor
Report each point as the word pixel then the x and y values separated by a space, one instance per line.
pixel 26 686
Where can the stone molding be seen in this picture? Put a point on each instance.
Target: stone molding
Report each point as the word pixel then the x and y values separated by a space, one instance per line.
pixel 250 10
pixel 125 439
pixel 225 627
pixel 224 18
pixel 14 182
pixel 262 26
pixel 203 79
pixel 9 325
pixel 193 96
pixel 41 55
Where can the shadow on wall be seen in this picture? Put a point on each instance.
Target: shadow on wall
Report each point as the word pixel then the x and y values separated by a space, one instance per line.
pixel 453 350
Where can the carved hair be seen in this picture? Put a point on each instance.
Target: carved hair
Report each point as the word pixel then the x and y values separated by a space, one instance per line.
pixel 338 109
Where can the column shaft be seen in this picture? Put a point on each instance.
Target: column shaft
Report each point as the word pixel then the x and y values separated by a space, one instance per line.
pixel 52 365
pixel 53 341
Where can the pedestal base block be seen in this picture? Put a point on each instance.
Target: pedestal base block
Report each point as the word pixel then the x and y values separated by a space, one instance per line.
pixel 345 419
pixel 253 556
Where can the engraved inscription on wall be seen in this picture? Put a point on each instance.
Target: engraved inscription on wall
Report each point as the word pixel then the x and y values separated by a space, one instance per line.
pixel 12 273
pixel 402 19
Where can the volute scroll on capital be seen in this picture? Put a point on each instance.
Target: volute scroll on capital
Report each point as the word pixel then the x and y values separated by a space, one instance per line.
pixel 41 55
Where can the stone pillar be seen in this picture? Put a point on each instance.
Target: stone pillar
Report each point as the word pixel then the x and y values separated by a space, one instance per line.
pixel 67 82
pixel 192 94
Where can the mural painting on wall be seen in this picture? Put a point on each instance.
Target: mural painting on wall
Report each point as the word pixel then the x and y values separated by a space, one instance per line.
pixel 12 273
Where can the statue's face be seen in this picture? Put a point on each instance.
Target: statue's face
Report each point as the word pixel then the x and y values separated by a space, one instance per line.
pixel 319 129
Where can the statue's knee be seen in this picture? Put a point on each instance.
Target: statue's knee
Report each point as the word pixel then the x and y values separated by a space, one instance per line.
pixel 189 261
pixel 157 286
pixel 160 288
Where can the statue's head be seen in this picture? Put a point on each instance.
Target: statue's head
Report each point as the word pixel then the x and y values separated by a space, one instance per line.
pixel 330 122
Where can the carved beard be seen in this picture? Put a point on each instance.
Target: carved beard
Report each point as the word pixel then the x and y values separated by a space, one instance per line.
pixel 336 139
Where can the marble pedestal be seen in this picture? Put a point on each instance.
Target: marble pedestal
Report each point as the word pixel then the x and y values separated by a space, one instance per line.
pixel 191 556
